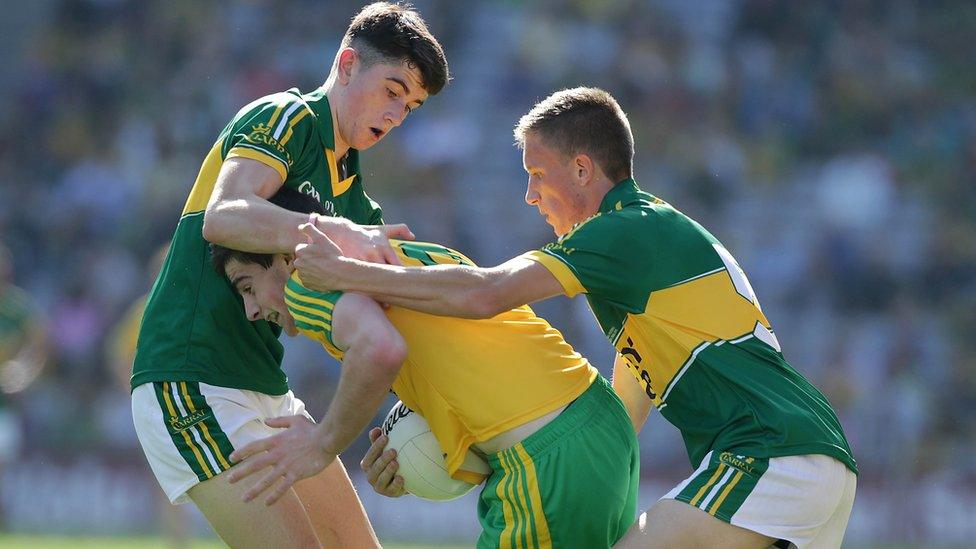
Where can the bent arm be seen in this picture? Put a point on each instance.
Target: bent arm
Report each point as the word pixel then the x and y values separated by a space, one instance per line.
pixel 374 353
pixel 240 217
pixel 450 290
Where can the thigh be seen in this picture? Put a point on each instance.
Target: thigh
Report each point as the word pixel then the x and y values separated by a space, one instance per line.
pixel 670 523
pixel 334 509
pixel 253 524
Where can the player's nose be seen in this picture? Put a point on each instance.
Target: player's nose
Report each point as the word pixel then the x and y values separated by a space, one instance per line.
pixel 531 197
pixel 252 310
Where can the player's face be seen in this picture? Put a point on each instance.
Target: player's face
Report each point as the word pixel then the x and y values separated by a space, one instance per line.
pixel 263 291
pixel 377 99
pixel 553 185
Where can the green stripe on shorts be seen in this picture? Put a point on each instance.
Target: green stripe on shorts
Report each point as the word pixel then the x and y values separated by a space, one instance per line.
pixel 723 486
pixel 217 438
pixel 184 443
pixel 572 484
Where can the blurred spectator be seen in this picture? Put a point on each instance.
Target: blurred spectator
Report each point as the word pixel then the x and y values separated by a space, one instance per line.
pixel 832 146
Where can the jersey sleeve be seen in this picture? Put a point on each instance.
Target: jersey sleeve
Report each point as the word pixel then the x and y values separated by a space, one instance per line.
pixel 274 131
pixel 312 312
pixel 604 257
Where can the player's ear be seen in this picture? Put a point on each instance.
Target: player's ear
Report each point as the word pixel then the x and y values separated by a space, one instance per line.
pixel 348 60
pixel 583 166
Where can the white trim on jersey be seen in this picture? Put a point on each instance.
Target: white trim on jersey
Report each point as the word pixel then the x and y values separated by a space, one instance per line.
pixel 284 119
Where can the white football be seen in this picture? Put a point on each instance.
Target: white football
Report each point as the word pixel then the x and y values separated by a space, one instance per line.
pixel 421 460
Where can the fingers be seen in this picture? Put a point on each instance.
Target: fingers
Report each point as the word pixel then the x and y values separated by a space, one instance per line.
pixel 280 489
pixel 282 422
pixel 386 483
pixel 389 256
pixel 269 479
pixel 249 467
pixel 253 448
pixel 375 449
pixel 374 434
pixel 397 230
pixel 397 488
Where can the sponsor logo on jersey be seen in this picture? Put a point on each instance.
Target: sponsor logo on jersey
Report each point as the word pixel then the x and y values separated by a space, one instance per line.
pixel 309 189
pixel 741 463
pixel 261 135
pixel 180 424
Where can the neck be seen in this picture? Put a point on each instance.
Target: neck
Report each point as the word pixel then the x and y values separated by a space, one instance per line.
pixel 335 104
pixel 598 191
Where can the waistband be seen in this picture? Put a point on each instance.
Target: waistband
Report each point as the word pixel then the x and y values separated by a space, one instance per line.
pixel 599 397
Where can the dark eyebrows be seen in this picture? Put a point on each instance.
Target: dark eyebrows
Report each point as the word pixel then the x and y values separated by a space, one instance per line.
pixel 406 88
pixel 237 281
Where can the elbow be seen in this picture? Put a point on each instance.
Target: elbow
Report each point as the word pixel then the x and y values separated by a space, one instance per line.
pixel 213 230
pixel 485 302
pixel 386 354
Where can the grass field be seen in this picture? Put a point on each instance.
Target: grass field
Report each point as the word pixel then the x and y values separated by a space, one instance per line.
pixel 41 542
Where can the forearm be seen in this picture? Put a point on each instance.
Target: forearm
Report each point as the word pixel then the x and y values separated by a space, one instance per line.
pixel 362 389
pixel 446 290
pixel 253 224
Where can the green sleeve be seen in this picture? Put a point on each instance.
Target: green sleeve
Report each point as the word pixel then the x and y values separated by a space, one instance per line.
pixel 609 256
pixel 275 130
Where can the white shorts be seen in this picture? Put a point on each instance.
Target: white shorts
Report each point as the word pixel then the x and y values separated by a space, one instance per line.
pixel 805 500
pixel 188 430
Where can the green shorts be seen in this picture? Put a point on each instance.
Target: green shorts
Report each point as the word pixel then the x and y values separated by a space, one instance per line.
pixel 573 483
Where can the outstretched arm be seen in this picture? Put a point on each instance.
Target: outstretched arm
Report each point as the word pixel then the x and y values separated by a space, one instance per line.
pixel 448 290
pixel 374 353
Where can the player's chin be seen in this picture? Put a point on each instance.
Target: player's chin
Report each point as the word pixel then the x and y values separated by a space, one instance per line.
pixel 289 328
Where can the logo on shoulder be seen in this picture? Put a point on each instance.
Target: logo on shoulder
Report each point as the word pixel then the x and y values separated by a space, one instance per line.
pixel 736 461
pixel 261 129
pixel 180 424
pixel 261 135
pixel 558 247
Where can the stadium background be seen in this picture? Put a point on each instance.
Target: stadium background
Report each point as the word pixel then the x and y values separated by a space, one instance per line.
pixel 830 145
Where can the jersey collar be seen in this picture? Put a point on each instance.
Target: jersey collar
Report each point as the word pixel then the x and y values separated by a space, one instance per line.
pixel 318 101
pixel 623 193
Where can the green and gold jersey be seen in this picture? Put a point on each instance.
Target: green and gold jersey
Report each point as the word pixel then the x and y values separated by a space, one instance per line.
pixel 676 305
pixel 471 379
pixel 194 327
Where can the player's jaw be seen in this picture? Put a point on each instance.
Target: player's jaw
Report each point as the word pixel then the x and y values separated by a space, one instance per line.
pixel 263 291
pixel 378 99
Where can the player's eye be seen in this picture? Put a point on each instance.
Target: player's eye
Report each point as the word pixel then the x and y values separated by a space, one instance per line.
pixel 391 94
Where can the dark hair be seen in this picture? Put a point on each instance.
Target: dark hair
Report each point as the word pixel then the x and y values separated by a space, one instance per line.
pixel 396 32
pixel 286 198
pixel 583 120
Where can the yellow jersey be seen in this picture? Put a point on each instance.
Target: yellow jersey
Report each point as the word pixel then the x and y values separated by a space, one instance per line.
pixel 470 379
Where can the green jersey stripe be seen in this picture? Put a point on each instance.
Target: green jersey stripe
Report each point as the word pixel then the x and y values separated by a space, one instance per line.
pixel 307 309
pixel 183 443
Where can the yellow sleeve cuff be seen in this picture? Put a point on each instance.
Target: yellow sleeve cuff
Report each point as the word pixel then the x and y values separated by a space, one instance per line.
pixel 559 269
pixel 264 158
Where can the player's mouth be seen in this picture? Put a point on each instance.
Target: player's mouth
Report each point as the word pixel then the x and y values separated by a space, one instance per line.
pixel 377 133
pixel 273 317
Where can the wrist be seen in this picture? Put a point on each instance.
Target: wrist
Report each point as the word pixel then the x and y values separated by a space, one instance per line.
pixel 326 443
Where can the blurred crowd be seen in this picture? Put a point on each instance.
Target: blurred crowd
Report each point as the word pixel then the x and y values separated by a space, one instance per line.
pixel 830 145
